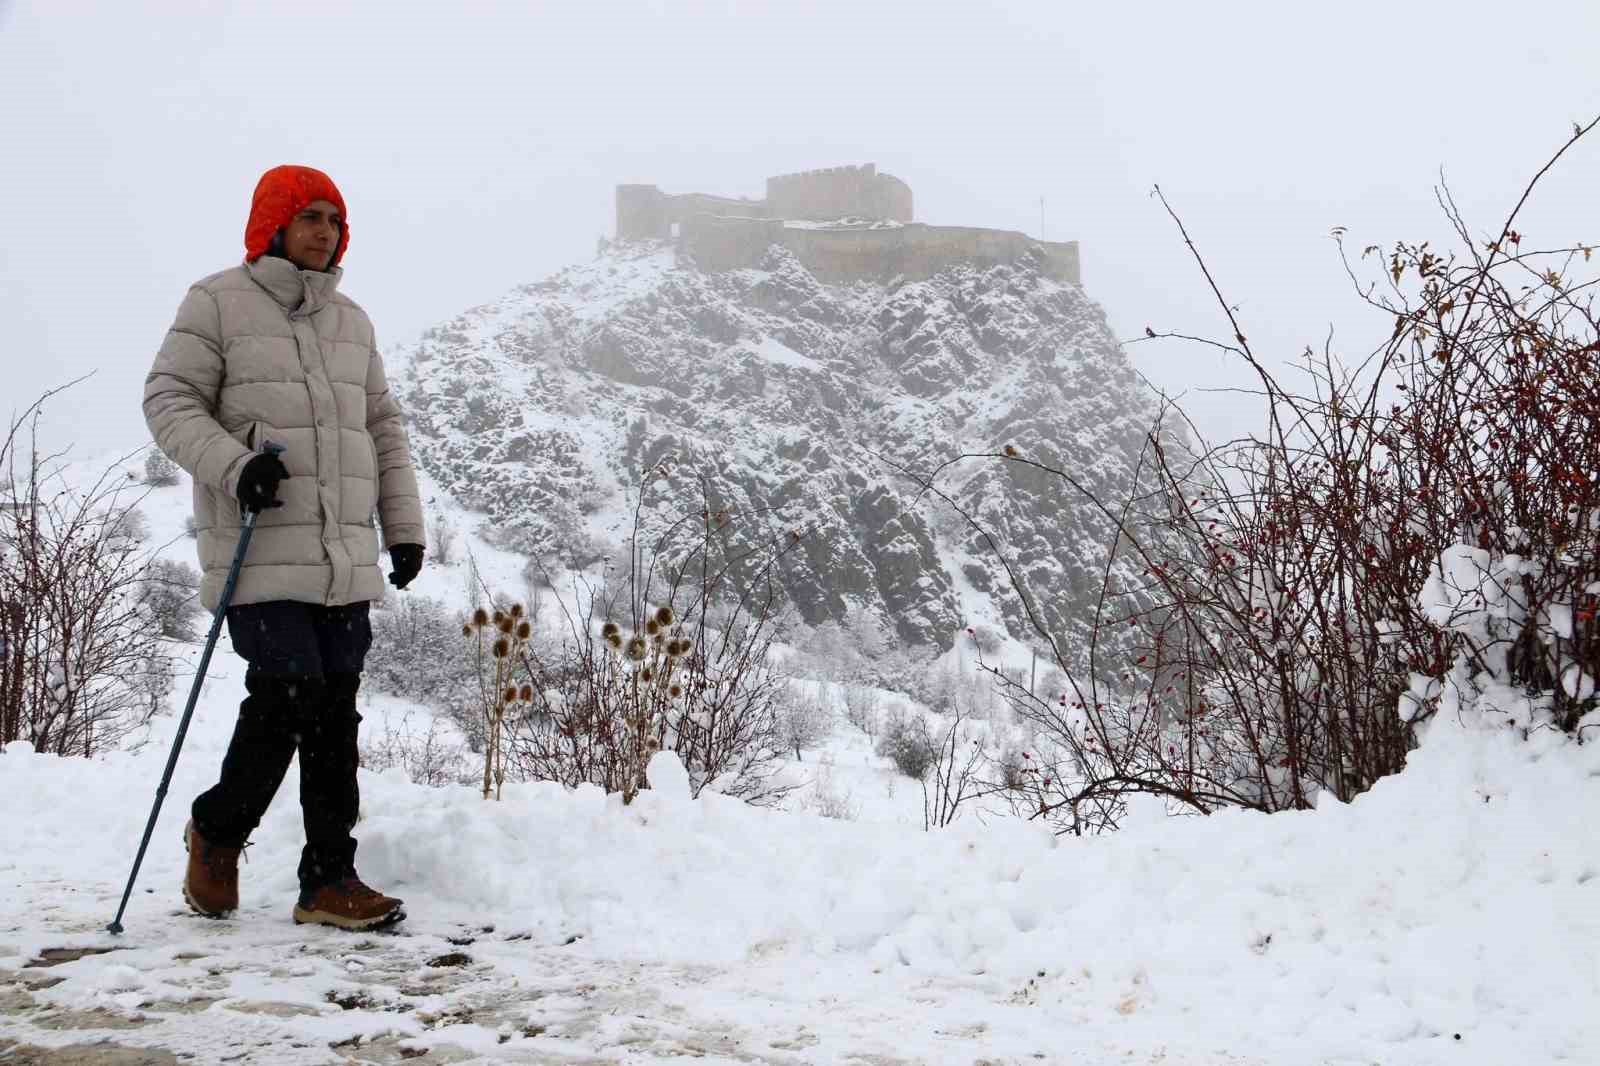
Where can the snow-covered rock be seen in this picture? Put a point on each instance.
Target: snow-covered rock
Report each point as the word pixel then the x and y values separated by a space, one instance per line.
pixel 544 408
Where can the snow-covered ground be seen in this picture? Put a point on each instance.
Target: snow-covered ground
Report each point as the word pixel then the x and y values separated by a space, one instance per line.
pixel 1452 915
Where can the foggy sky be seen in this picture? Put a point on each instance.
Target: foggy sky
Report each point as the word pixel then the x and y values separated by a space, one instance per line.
pixel 477 149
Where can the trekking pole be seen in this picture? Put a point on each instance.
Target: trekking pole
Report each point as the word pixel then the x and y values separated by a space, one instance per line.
pixel 115 928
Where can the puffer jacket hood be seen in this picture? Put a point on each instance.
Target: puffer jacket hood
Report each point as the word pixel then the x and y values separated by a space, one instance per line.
pixel 282 193
pixel 269 352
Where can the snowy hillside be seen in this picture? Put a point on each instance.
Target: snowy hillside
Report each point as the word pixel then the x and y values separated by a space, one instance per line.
pixel 791 398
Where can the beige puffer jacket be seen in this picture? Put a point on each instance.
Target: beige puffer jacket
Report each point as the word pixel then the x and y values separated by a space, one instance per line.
pixel 269 352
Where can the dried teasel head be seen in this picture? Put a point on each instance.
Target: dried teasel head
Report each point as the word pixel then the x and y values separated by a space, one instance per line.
pixel 647 675
pixel 609 630
pixel 664 615
pixel 525 693
pixel 524 631
pixel 516 610
pixel 636 648
pixel 614 639
pixel 502 648
pixel 480 618
pixel 675 690
pixel 504 624
pixel 466 630
pixel 499 616
pixel 652 627
pixel 509 695
pixel 685 645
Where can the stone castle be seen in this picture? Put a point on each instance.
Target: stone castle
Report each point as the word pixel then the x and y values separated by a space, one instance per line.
pixel 844 224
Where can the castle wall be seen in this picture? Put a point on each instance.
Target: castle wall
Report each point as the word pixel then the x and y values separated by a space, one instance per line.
pixel 914 252
pixel 645 213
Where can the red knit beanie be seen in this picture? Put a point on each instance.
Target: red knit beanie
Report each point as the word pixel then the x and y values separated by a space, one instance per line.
pixel 282 193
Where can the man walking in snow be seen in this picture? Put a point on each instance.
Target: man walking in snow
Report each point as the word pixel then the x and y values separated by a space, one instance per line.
pixel 271 351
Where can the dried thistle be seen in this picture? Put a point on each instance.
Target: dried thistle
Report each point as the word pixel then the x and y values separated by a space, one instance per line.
pixel 636 648
pixel 502 648
pixel 664 615
pixel 480 618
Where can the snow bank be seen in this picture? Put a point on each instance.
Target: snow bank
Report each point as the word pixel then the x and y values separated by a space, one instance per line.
pixel 1458 898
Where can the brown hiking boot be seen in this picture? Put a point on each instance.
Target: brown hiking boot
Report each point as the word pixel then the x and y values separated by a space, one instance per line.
pixel 348 904
pixel 211 883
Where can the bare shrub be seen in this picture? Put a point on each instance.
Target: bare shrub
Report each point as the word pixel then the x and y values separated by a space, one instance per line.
pixel 435 757
pixel 952 776
pixel 159 471
pixel 687 667
pixel 83 670
pixel 1426 521
pixel 804 720
pixel 170 591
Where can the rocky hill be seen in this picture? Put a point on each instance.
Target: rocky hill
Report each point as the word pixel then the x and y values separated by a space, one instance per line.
pixel 791 399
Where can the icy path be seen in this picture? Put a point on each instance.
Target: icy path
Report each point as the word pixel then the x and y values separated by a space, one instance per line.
pixel 257 989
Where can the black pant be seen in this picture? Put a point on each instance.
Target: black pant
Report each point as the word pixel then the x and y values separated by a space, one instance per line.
pixel 304 669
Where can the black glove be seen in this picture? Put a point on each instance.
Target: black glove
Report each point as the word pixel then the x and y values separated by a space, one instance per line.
pixel 258 483
pixel 407 559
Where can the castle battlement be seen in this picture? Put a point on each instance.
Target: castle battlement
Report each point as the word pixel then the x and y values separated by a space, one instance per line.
pixel 859 226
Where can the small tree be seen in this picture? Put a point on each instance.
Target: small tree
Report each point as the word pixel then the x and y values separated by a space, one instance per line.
pixel 805 720
pixel 441 538
pixel 159 471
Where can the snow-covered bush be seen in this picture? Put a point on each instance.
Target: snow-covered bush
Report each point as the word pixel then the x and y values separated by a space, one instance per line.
pixel 171 591
pixel 159 471
pixel 904 740
pixel 417 655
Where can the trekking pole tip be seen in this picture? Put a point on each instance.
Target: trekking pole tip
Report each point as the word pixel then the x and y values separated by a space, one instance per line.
pixel 115 928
